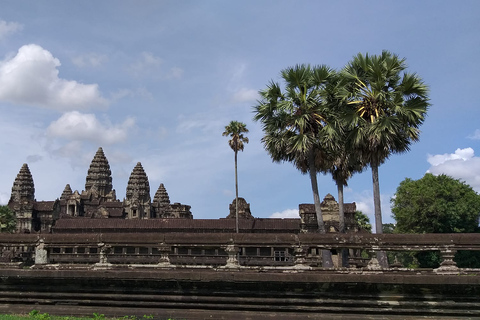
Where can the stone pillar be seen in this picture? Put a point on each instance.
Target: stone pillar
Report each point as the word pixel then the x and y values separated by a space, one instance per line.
pixel 41 254
pixel 448 265
pixel 104 250
pixel 232 251
pixel 373 265
pixel 299 258
pixel 164 261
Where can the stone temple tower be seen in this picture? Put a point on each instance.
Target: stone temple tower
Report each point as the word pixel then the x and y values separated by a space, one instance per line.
pixel 164 209
pixel 22 200
pixel 99 177
pixel 137 201
pixel 161 202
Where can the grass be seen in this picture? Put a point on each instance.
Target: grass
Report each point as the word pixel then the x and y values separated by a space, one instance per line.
pixel 35 315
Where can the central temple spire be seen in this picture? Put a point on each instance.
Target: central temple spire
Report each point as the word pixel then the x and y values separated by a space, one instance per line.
pixel 137 202
pixel 99 177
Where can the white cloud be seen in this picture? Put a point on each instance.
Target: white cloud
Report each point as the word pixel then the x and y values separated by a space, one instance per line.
pixel 78 126
pixel 460 154
pixel 175 73
pixel 462 165
pixel 9 28
pixel 475 135
pixel 287 213
pixel 146 64
pixel 4 197
pixel 149 64
pixel 31 78
pixel 245 95
pixel 89 60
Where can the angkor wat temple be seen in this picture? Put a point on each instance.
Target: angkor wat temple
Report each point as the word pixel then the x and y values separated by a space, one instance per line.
pixel 97 209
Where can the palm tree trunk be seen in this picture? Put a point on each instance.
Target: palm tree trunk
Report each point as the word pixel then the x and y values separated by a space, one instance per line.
pixel 381 255
pixel 343 254
pixel 341 210
pixel 326 254
pixel 236 194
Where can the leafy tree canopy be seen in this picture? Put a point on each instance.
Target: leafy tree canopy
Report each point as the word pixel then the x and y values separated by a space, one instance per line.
pixel 363 221
pixel 435 204
pixel 7 219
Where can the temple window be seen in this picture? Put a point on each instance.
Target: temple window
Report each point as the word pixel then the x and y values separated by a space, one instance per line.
pixel 280 254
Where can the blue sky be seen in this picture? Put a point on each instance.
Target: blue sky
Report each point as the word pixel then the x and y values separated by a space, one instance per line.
pixel 157 81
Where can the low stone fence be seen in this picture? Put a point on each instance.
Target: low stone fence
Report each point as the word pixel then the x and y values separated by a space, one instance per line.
pixel 233 251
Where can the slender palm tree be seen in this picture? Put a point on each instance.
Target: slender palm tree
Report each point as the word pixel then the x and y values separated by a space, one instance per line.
pixel 388 105
pixel 236 130
pixel 296 127
pixel 343 163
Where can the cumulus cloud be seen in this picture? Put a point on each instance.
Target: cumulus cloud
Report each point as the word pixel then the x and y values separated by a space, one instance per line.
pixel 9 28
pixel 89 60
pixel 79 126
pixel 287 213
pixel 462 165
pixel 245 95
pixel 31 78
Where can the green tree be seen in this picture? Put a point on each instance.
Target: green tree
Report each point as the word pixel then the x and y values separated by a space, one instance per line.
pixel 363 222
pixel 437 204
pixel 389 228
pixel 297 125
pixel 343 163
pixel 236 130
pixel 387 107
pixel 7 219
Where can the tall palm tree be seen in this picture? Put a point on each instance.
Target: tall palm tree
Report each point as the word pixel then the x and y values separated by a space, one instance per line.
pixel 295 122
pixel 236 130
pixel 343 163
pixel 387 107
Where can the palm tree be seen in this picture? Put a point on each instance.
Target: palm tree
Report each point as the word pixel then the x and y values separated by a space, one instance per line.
pixel 343 163
pixel 296 126
pixel 387 107
pixel 236 130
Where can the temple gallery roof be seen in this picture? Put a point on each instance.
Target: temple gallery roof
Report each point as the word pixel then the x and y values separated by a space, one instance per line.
pixel 176 225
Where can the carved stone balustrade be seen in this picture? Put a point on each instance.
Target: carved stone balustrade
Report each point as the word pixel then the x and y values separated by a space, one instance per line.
pixel 217 250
